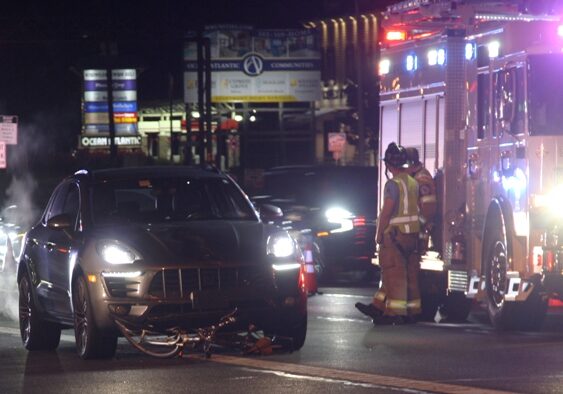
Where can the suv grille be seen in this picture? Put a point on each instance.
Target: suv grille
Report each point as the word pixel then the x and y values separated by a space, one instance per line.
pixel 179 283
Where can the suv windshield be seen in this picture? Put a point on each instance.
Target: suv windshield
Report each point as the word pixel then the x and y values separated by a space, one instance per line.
pixel 545 89
pixel 165 199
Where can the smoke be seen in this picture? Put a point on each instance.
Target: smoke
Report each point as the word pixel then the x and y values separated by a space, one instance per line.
pixel 18 212
pixel 18 215
pixel 49 123
pixel 8 292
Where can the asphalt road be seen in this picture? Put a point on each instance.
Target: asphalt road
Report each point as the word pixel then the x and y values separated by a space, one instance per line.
pixel 343 353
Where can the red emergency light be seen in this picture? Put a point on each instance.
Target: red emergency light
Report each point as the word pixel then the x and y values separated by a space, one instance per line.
pixel 396 35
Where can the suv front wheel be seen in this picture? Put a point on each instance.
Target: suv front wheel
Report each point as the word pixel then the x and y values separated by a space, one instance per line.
pixel 90 343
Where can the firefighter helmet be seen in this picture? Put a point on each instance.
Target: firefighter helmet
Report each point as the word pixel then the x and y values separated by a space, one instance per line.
pixel 395 156
pixel 412 156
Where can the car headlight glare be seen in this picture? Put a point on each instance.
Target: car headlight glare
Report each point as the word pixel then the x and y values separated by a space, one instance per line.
pixel 342 217
pixel 117 253
pixel 281 245
pixel 337 214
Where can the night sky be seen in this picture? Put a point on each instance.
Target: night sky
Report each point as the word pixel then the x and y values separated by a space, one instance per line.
pixel 44 45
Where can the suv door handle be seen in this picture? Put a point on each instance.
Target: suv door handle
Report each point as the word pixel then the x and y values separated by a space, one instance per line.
pixel 50 246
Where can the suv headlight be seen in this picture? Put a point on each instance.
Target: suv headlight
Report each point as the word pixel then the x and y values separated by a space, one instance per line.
pixel 115 252
pixel 280 245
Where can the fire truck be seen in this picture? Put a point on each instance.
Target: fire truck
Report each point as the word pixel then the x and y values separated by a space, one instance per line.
pixel 477 88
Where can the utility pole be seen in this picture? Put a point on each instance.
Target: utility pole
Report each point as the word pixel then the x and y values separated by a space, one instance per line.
pixel 207 66
pixel 204 96
pixel 200 148
pixel 360 90
pixel 112 146
pixel 173 142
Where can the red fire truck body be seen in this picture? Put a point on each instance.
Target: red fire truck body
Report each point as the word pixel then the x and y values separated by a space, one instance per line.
pixel 477 88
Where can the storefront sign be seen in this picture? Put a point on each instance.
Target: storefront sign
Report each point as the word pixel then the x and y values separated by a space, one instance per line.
pixel 9 129
pixel 124 101
pixel 257 65
pixel 104 142
pixel 120 128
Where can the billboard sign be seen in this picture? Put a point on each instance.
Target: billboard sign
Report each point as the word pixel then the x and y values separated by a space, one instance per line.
pixel 9 129
pixel 250 65
pixel 124 97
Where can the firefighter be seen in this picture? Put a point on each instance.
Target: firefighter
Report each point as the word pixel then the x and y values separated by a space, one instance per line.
pixel 427 201
pixel 398 299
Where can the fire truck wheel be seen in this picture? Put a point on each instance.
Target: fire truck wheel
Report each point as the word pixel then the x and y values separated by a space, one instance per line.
pixel 527 315
pixel 501 313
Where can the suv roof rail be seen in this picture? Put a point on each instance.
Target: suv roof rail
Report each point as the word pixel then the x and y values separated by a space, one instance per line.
pixel 83 171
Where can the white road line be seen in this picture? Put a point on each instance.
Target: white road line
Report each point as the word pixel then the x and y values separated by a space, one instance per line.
pixel 352 376
pixel 337 381
pixel 336 295
pixel 342 319
pixel 326 374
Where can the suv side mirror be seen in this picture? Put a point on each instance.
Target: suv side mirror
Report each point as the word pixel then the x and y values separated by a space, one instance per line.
pixel 60 222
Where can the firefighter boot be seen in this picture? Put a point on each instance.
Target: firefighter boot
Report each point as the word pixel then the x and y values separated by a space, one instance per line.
pixel 368 310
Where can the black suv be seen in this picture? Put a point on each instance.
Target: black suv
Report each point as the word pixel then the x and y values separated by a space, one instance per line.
pixel 134 251
pixel 334 207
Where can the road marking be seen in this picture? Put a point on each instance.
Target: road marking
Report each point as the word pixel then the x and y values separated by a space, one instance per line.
pixel 324 380
pixel 323 374
pixel 342 319
pixel 336 295
pixel 351 376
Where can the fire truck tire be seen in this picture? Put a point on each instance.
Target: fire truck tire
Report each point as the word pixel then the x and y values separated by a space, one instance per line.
pixel 501 313
pixel 522 316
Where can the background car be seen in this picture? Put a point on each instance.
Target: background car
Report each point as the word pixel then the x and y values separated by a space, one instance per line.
pixel 155 248
pixel 332 211
pixel 10 238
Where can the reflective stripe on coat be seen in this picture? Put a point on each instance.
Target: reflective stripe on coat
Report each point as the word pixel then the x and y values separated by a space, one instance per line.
pixel 406 218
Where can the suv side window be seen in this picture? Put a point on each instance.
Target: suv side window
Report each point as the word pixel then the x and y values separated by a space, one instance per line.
pixel 65 199
pixel 56 203
pixel 72 204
